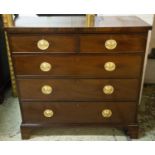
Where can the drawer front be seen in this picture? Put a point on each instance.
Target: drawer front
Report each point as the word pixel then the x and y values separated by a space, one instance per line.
pixel 79 112
pixel 119 43
pixel 124 65
pixel 43 43
pixel 78 89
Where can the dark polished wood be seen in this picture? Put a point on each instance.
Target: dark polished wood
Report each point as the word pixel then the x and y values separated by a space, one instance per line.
pixel 77 54
pixel 132 131
pixel 85 65
pixel 26 131
pixel 57 43
pixel 125 42
pixel 72 24
pixel 79 112
pixel 88 43
pixel 79 89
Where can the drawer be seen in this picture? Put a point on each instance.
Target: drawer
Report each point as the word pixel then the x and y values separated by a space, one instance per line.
pixel 80 65
pixel 78 89
pixel 113 43
pixel 79 112
pixel 43 43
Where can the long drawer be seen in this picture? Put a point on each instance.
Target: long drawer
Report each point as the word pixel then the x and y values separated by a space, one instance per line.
pixel 80 65
pixel 79 89
pixel 79 112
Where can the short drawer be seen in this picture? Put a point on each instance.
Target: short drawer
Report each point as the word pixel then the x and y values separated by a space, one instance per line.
pixel 113 43
pixel 43 43
pixel 76 65
pixel 78 89
pixel 79 112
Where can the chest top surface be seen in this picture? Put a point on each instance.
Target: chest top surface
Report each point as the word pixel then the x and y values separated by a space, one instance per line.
pixel 78 24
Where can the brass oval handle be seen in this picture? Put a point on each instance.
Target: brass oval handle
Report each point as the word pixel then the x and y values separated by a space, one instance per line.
pixel 111 44
pixel 108 89
pixel 106 113
pixel 110 66
pixel 48 113
pixel 43 44
pixel 46 89
pixel 45 66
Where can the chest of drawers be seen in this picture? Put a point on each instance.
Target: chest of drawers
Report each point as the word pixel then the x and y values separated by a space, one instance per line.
pixel 70 74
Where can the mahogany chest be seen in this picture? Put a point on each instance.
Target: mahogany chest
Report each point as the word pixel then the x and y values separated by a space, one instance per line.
pixel 71 74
